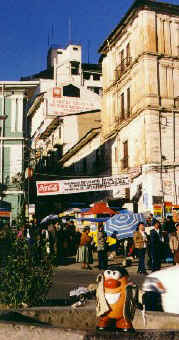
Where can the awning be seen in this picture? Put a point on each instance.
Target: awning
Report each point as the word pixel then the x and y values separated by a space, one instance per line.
pixel 100 208
pixel 95 219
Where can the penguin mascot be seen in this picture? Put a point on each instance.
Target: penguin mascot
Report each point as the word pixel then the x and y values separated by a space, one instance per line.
pixel 115 300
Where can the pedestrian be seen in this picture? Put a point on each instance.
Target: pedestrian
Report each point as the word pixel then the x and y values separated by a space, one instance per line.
pixel 174 242
pixel 60 236
pixel 140 244
pixel 77 239
pixel 152 219
pixel 102 247
pixel 52 239
pixel 21 232
pixel 84 254
pixel 156 246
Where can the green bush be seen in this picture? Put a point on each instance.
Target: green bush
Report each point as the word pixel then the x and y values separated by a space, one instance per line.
pixel 26 274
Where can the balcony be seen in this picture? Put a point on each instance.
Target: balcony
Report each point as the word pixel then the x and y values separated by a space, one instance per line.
pixel 121 69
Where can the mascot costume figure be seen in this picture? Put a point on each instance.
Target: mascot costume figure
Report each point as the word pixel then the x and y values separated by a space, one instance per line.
pixel 116 296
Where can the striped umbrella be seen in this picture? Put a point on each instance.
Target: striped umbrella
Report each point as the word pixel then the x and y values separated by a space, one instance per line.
pixel 123 225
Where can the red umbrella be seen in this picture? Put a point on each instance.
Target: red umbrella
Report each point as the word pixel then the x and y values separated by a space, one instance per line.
pixel 100 208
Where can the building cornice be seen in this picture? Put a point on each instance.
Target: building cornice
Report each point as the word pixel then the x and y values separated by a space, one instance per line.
pixel 12 138
pixel 19 84
pixel 137 6
pixel 165 60
pixel 114 131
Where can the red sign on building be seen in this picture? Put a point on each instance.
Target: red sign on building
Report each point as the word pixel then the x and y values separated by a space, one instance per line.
pixel 57 92
pixel 48 188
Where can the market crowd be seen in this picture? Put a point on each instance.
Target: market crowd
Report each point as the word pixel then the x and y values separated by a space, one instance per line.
pixel 155 243
pixel 152 243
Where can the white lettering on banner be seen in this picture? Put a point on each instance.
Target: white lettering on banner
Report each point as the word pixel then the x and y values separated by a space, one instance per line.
pixel 82 185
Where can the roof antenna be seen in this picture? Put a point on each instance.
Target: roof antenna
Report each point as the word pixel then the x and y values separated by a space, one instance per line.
pixel 53 30
pixel 69 31
pixel 48 38
pixel 88 50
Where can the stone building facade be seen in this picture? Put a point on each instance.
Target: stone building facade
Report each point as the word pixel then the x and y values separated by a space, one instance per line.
pixel 140 101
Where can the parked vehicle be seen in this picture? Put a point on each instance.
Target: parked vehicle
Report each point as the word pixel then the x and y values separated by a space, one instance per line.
pixel 81 294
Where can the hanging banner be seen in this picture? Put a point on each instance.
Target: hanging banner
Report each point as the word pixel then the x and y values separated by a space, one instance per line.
pixel 73 186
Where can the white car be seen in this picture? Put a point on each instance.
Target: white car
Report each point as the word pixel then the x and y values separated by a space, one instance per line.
pixel 161 290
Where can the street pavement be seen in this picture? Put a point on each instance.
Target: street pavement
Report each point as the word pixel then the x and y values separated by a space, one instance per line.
pixel 70 276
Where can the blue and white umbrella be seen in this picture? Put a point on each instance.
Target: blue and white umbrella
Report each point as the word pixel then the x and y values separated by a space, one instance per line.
pixel 123 225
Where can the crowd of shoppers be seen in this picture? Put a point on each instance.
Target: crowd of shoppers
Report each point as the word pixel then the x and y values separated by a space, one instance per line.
pixel 152 243
pixel 155 243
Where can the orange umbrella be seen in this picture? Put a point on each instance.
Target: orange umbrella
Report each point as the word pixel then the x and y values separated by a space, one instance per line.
pixel 100 208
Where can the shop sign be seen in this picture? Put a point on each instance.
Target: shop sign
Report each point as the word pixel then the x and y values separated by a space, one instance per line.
pixel 175 213
pixel 82 185
pixel 57 92
pixel 157 209
pixel 168 208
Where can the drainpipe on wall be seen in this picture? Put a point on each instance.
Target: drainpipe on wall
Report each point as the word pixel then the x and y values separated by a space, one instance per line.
pixel 161 167
pixel 174 159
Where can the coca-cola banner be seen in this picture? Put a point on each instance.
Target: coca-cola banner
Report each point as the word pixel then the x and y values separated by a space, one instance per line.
pixel 48 188
pixel 81 185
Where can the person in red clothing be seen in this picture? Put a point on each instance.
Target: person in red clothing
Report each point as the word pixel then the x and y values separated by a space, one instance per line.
pixel 84 250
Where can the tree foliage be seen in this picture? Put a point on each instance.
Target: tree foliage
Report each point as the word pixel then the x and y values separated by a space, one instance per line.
pixel 26 274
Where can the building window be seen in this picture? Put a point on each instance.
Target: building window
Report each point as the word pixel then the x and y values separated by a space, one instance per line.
pixel 59 132
pixel 86 75
pixel 122 61
pixel 122 106
pixel 125 159
pixel 97 90
pixel 128 55
pixel 96 76
pixel 116 154
pixel 128 102
pixel 71 91
pixel 75 67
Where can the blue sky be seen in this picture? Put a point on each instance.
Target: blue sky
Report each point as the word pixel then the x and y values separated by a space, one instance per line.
pixel 26 27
